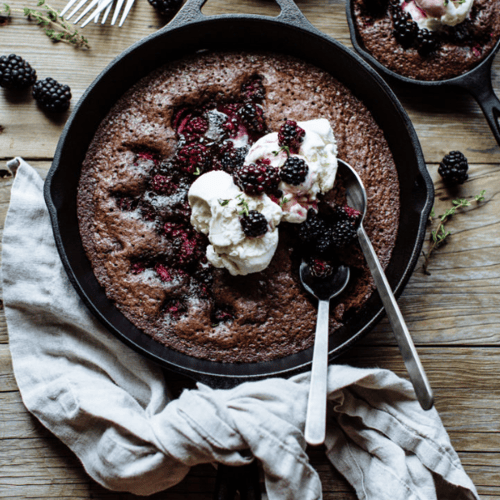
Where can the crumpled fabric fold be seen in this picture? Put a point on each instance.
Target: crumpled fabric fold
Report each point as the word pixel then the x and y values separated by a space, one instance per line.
pixel 112 407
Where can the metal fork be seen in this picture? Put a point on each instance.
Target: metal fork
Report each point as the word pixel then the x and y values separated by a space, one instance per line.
pixel 99 6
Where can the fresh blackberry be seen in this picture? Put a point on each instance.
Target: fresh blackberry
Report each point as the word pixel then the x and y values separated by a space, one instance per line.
pixel 166 7
pixel 291 136
pixel 453 168
pixel 321 268
pixel 405 29
pixel 52 95
pixel 255 179
pixel 460 34
pixel 312 228
pixel 253 117
pixel 254 224
pixel 272 179
pixel 426 41
pixel 16 73
pixel 294 171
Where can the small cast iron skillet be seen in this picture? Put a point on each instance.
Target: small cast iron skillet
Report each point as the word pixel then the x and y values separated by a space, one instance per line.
pixel 191 31
pixel 476 81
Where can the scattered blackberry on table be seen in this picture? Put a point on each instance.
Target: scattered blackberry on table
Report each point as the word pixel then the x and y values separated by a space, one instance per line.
pixel 52 95
pixel 426 41
pixel 166 7
pixel 254 224
pixel 294 171
pixel 16 73
pixel 256 179
pixel 453 168
pixel 405 29
pixel 291 135
pixel 253 117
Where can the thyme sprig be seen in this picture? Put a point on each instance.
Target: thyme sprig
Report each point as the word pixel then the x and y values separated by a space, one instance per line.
pixel 440 234
pixel 53 24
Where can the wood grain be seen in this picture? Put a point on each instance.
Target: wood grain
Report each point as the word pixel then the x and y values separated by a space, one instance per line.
pixel 453 313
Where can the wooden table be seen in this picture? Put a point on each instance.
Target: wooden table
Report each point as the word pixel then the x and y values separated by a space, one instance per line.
pixel 453 313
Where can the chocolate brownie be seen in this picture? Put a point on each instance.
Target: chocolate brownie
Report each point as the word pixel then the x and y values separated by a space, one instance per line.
pixel 134 214
pixel 458 49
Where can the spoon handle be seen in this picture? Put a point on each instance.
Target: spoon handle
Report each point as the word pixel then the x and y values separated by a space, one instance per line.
pixel 410 356
pixel 316 405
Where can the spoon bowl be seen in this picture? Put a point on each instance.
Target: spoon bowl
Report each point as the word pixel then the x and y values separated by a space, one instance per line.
pixel 324 289
pixel 357 199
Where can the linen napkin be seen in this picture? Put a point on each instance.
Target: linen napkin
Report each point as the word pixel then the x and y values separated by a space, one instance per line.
pixel 111 406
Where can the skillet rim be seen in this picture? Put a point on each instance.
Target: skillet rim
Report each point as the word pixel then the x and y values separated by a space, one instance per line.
pixel 457 81
pixel 278 366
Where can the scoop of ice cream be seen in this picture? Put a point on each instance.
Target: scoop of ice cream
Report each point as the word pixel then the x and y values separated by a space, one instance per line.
pixel 318 150
pixel 432 14
pixel 216 208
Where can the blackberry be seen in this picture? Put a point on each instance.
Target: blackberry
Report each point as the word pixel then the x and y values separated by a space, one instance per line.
pixel 337 236
pixel 232 158
pixel 426 41
pixel 294 171
pixel 320 268
pixel 405 29
pixel 453 168
pixel 312 228
pixel 166 7
pixel 254 224
pixel 255 179
pixel 291 135
pixel 253 89
pixel 252 116
pixel 16 73
pixel 347 213
pixel 52 95
pixel 193 158
pixel 376 7
pixel 460 33
pixel 163 184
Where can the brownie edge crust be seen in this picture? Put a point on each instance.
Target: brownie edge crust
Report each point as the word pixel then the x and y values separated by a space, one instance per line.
pixel 135 228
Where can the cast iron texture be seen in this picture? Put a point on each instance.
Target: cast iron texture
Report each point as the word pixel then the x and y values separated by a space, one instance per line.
pixel 191 31
pixel 477 81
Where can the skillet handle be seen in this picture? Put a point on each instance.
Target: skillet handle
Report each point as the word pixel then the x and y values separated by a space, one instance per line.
pixel 479 85
pixel 191 13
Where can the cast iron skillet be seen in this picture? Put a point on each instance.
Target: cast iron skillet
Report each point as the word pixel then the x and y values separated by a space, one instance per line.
pixel 191 31
pixel 477 81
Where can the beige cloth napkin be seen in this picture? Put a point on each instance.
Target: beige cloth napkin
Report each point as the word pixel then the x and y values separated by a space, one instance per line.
pixel 110 405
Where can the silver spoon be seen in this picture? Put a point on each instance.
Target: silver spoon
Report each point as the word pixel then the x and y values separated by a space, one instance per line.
pixel 323 289
pixel 356 198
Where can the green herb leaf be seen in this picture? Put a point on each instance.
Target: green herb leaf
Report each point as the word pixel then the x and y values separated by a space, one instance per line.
pixel 283 201
pixel 223 203
pixel 480 196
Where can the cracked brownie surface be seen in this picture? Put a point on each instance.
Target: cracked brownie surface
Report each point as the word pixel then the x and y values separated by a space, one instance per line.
pixel 134 216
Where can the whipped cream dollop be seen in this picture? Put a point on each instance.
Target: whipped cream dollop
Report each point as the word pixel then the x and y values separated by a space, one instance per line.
pixel 216 206
pixel 433 14
pixel 318 149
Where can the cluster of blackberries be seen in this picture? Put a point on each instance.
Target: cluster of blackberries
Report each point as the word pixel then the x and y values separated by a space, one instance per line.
pixel 408 34
pixel 17 74
pixel 453 168
pixel 323 236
